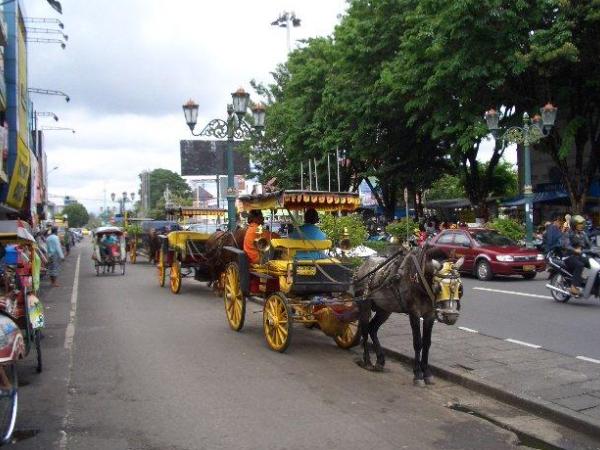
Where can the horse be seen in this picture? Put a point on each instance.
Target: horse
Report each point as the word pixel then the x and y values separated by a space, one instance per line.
pixel 218 259
pixel 414 283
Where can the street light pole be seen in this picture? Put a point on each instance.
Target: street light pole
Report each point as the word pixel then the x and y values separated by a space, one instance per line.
pixel 235 127
pixel 532 131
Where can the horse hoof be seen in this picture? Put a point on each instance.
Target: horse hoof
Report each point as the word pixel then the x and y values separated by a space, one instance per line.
pixel 364 365
pixel 377 368
pixel 419 383
pixel 429 381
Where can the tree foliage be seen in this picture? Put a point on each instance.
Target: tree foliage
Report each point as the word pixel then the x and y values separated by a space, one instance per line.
pixel 160 179
pixel 77 215
pixel 401 86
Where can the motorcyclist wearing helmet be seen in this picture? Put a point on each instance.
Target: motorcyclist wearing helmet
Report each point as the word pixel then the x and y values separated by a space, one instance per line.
pixel 577 243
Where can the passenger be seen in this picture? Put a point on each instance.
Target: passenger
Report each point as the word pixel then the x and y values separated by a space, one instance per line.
pixel 578 243
pixel 255 219
pixel 309 231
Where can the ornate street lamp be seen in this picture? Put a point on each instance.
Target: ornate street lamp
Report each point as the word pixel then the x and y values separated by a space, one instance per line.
pixel 235 127
pixel 533 130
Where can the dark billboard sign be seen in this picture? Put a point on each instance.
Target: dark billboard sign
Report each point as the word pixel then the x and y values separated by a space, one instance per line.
pixel 210 158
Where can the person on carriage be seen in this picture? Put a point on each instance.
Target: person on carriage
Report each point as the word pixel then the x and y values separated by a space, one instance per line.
pixel 255 219
pixel 311 232
pixel 107 244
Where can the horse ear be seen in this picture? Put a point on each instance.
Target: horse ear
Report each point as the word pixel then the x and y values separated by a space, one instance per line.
pixel 458 264
pixel 436 264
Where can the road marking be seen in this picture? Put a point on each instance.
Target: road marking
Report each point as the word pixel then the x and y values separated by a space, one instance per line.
pixel 468 330
pixel 70 332
pixel 526 344
pixel 69 335
pixel 585 358
pixel 523 294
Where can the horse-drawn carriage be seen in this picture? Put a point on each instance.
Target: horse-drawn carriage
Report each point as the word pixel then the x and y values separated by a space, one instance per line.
pixel 144 237
pixel 110 250
pixel 183 253
pixel 307 291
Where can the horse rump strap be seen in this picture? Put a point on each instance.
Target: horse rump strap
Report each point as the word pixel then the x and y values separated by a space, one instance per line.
pixel 383 264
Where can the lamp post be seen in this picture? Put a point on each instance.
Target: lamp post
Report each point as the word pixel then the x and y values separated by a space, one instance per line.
pixel 533 130
pixel 235 127
pixel 122 201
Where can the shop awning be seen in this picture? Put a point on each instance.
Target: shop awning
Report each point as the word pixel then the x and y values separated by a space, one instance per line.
pixel 538 197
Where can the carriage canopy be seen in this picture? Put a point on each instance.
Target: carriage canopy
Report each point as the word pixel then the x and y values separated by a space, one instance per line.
pixel 300 200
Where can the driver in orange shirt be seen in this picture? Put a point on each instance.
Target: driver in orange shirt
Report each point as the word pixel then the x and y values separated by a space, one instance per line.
pixel 255 219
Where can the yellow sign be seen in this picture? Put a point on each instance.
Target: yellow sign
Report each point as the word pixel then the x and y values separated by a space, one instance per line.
pixel 20 177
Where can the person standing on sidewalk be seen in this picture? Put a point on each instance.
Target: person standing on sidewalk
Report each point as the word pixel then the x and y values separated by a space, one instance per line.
pixel 56 255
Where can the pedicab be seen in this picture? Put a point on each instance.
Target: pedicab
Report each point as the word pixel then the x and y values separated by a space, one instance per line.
pixel 313 292
pixel 109 250
pixel 182 255
pixel 21 315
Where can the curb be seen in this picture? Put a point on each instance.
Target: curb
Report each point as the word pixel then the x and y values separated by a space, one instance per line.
pixel 554 413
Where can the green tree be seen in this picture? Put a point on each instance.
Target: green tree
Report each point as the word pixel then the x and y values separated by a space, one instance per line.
pixel 160 179
pixel 77 214
pixel 446 187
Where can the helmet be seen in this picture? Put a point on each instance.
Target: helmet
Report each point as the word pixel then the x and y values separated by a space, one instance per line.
pixel 577 220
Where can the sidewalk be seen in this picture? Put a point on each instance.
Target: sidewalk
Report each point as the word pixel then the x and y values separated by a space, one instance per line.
pixel 558 387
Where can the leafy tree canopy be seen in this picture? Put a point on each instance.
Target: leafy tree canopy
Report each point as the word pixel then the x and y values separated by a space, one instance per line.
pixel 160 179
pixel 77 215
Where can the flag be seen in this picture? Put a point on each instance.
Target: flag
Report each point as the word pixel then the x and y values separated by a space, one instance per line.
pixel 56 5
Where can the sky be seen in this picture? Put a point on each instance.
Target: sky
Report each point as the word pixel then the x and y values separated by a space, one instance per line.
pixel 128 67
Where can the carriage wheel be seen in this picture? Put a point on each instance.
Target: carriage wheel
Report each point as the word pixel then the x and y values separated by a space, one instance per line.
pixel 161 270
pixel 235 303
pixel 277 322
pixel 175 276
pixel 37 339
pixel 9 386
pixel 350 337
pixel 133 253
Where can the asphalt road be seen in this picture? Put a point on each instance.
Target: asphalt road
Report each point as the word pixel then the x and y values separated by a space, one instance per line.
pixel 128 365
pixel 514 308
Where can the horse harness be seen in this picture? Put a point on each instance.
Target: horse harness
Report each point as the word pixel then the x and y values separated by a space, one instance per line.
pixel 390 281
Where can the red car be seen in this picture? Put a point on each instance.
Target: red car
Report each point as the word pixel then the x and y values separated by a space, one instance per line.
pixel 488 253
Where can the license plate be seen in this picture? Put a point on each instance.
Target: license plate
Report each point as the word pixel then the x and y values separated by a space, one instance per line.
pixel 306 270
pixel 529 268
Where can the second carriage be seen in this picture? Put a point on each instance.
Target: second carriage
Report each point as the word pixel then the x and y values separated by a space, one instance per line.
pixel 312 292
pixel 183 253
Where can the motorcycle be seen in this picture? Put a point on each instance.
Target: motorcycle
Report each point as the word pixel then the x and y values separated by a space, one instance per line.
pixel 561 278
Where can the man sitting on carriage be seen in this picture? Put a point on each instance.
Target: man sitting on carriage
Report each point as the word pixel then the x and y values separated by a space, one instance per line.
pixel 255 220
pixel 309 231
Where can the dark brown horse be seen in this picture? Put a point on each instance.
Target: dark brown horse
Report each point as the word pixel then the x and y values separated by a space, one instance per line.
pixel 408 283
pixel 214 253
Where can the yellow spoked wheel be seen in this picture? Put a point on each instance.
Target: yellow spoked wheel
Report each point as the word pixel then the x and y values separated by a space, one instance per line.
pixel 277 322
pixel 235 303
pixel 175 276
pixel 133 253
pixel 350 337
pixel 161 270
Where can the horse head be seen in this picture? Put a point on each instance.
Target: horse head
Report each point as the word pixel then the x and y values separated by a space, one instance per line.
pixel 446 285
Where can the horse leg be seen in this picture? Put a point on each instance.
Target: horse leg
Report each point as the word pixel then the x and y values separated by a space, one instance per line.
pixel 364 308
pixel 380 317
pixel 427 330
pixel 415 325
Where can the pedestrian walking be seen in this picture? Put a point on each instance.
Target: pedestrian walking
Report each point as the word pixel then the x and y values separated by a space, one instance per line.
pixel 56 255
pixel 67 242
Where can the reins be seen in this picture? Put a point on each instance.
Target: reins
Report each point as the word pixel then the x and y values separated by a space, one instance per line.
pixel 381 265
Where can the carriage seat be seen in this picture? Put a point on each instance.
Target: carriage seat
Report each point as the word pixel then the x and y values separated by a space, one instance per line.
pixel 178 239
pixel 287 248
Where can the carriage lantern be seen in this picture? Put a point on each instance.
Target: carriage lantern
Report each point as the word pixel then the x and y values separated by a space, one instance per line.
pixel 345 243
pixel 190 110
pixel 240 102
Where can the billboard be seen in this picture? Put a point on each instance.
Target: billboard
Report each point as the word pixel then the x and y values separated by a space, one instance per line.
pixel 209 158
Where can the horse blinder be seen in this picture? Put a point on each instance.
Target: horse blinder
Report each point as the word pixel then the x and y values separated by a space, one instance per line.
pixel 448 290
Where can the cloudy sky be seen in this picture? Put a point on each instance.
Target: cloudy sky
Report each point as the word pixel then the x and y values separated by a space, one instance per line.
pixel 128 67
